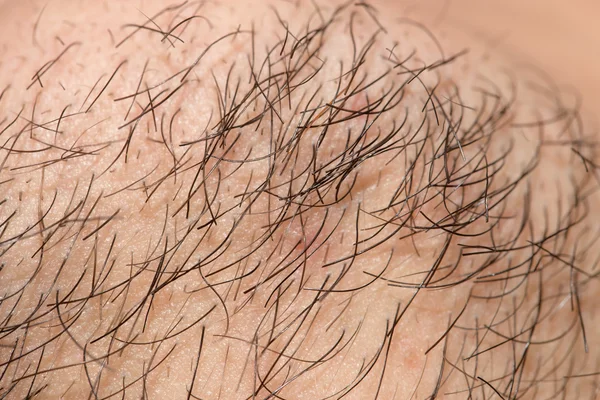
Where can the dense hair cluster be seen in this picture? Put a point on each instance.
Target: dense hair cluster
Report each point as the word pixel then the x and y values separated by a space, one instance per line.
pixel 321 202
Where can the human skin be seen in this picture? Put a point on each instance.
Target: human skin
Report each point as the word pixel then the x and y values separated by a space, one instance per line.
pixel 288 200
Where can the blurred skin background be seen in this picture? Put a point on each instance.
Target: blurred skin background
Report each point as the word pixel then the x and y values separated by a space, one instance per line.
pixel 562 37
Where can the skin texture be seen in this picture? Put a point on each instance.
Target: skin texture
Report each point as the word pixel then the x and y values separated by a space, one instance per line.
pixel 289 200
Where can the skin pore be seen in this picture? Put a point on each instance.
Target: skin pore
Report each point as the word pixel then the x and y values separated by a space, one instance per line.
pixel 248 199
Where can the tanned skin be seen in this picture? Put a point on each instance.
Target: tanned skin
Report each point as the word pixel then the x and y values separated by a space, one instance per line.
pixel 288 200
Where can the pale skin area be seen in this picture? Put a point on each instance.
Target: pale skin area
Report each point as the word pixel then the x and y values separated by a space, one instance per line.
pixel 558 36
pixel 288 299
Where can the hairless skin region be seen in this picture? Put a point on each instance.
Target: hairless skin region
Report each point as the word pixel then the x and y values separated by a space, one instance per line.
pixel 295 199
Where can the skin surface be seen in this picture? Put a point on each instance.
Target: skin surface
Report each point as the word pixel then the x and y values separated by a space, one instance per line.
pixel 289 200
pixel 557 36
